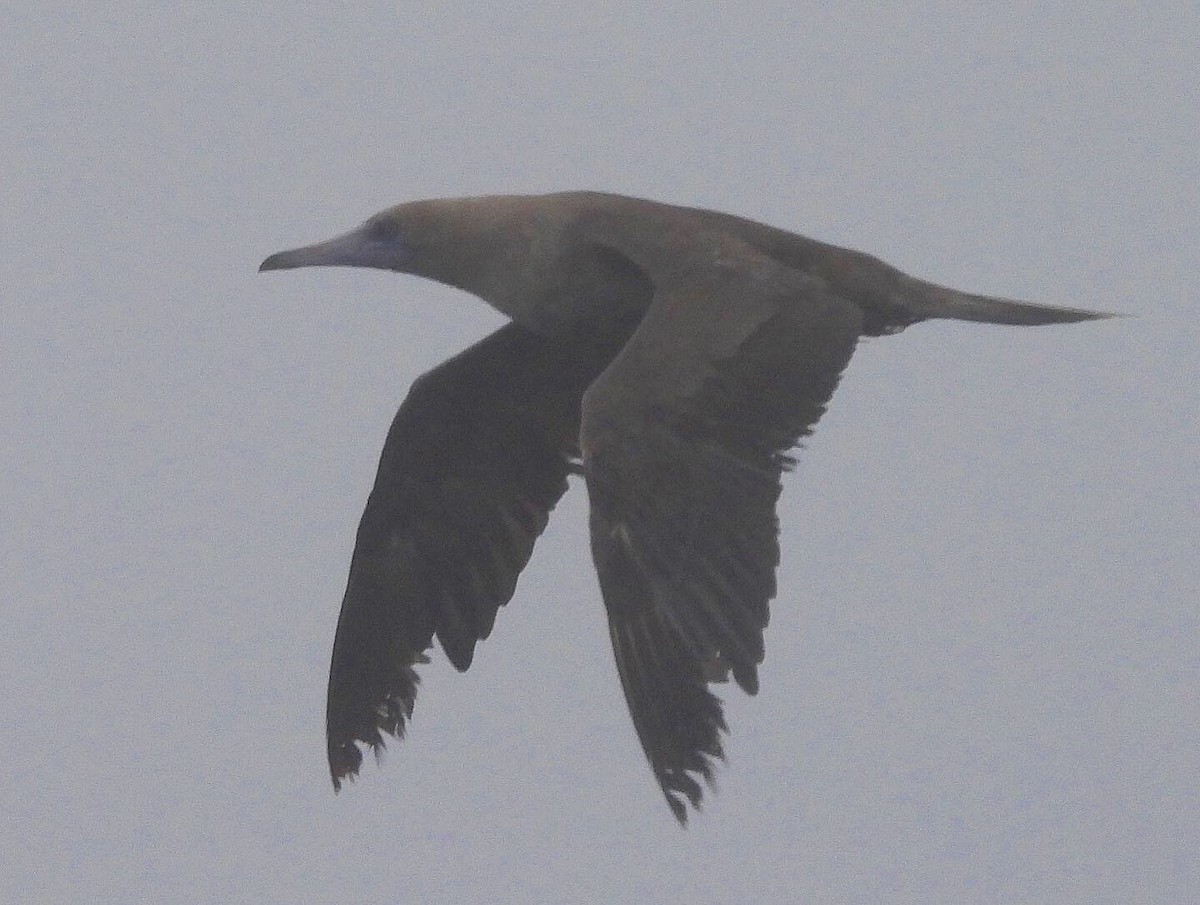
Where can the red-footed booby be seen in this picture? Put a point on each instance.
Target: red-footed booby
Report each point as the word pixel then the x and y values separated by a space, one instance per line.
pixel 673 357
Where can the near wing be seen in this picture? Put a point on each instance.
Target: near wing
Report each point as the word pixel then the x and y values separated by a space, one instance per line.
pixel 685 436
pixel 475 460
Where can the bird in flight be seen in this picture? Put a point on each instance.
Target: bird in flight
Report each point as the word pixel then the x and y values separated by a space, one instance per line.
pixel 671 356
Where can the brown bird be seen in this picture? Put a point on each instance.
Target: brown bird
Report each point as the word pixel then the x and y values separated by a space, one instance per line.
pixel 673 357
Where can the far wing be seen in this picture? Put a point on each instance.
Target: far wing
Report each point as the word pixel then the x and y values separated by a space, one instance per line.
pixel 475 460
pixel 684 440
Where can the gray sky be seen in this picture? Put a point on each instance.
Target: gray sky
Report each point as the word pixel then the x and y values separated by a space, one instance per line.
pixel 981 679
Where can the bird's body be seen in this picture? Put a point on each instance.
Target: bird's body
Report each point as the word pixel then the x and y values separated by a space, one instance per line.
pixel 678 354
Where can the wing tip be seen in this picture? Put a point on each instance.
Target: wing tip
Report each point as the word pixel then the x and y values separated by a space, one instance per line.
pixel 683 790
pixel 678 808
pixel 345 759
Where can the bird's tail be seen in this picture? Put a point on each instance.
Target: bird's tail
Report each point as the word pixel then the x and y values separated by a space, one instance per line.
pixel 928 300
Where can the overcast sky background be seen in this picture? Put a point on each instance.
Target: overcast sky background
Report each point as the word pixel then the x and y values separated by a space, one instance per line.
pixel 982 669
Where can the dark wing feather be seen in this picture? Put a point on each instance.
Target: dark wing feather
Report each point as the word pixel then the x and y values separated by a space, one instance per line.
pixel 685 437
pixel 475 460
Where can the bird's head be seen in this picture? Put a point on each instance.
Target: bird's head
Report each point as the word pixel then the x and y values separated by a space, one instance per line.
pixel 385 241
pixel 480 245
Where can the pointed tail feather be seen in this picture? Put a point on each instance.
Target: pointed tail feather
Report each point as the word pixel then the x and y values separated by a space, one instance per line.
pixel 928 300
